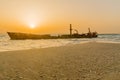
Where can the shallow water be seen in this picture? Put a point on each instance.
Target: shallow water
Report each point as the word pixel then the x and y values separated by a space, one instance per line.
pixel 9 45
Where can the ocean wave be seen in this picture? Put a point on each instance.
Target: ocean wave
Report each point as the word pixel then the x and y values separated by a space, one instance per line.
pixel 9 45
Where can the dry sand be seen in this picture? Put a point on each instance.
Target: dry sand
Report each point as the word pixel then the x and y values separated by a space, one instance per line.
pixel 89 61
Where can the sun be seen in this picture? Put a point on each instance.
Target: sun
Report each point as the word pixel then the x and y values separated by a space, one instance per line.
pixel 32 26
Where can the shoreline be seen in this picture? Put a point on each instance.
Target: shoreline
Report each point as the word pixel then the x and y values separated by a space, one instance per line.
pixel 85 42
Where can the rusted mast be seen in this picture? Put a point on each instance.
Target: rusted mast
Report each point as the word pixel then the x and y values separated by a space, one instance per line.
pixel 70 29
pixel 89 30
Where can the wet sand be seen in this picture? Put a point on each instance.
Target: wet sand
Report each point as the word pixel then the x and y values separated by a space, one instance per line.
pixel 89 61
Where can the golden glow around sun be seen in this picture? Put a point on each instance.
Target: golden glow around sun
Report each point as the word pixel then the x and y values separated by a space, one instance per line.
pixel 31 19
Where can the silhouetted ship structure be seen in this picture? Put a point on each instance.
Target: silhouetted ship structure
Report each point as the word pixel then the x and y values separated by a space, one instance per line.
pixel 22 36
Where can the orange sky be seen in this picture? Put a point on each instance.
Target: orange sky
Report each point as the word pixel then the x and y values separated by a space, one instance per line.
pixel 54 16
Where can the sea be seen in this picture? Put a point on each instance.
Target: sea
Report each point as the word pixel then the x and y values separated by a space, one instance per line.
pixel 11 45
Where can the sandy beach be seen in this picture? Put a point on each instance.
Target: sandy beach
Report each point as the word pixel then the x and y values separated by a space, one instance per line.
pixel 88 61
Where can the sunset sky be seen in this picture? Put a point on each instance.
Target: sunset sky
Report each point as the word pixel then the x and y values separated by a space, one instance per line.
pixel 54 16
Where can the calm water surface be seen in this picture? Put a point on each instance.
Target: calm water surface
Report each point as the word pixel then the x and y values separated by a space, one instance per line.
pixel 9 45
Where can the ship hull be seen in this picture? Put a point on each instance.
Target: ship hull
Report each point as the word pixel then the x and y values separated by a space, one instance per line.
pixel 23 36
